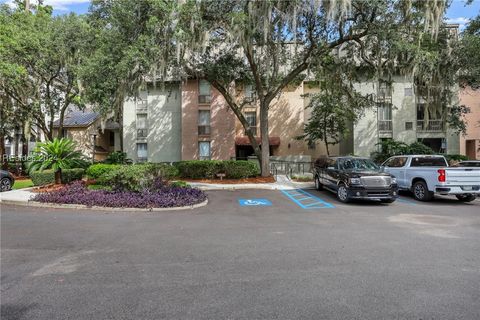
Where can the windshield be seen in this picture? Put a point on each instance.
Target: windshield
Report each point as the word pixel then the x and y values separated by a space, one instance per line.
pixel 358 165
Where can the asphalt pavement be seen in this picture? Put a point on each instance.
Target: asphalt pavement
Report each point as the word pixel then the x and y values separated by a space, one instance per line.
pixel 249 254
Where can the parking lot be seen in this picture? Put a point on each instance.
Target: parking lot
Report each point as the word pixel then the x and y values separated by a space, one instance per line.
pixel 249 254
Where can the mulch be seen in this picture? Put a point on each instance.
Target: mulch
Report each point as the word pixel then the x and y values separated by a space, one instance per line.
pixel 269 179
pixel 48 188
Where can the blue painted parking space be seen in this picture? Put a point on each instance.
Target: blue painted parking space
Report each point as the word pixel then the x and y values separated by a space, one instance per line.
pixel 306 200
pixel 254 202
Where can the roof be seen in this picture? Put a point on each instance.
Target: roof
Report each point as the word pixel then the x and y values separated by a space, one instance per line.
pixel 245 141
pixel 78 119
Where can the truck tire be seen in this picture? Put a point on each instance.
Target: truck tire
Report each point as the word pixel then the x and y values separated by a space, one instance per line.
pixel 318 185
pixel 342 193
pixel 466 197
pixel 421 192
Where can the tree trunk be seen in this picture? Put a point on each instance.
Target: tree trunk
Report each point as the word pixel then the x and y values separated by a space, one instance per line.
pixel 3 153
pixel 58 176
pixel 326 147
pixel 60 124
pixel 265 158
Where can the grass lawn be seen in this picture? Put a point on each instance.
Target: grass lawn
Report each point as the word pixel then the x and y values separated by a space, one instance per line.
pixel 22 184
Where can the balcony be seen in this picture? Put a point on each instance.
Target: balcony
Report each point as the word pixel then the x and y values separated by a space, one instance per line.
pixel 385 125
pixel 142 133
pixel 142 107
pixel 203 130
pixel 430 126
pixel 204 99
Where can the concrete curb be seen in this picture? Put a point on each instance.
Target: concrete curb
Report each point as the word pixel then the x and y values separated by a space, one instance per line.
pixel 84 207
pixel 274 186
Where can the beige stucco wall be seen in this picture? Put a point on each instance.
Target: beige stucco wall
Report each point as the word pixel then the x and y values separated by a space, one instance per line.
pixel 164 123
pixel 471 99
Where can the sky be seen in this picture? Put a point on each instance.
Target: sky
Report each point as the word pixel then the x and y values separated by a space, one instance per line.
pixel 457 13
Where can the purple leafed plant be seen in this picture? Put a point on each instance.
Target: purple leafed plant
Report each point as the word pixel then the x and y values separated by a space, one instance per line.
pixel 161 196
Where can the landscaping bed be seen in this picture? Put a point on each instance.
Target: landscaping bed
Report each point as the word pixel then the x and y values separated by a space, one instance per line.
pixel 269 179
pixel 161 195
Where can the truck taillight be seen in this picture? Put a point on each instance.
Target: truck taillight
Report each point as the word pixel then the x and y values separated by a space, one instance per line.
pixel 441 175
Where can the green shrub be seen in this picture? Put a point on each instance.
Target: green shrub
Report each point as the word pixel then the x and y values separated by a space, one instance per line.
pixel 137 177
pixel 117 157
pixel 240 169
pixel 455 157
pixel 208 169
pixel 96 170
pixel 179 183
pixel 69 175
pixel 41 178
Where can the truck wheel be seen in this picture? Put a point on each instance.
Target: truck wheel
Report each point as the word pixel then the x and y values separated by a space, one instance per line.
pixel 318 185
pixel 420 191
pixel 466 197
pixel 342 193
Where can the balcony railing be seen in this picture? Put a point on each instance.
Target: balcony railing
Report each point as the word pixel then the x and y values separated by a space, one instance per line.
pixel 430 125
pixel 204 99
pixel 142 107
pixel 142 133
pixel 385 125
pixel 203 130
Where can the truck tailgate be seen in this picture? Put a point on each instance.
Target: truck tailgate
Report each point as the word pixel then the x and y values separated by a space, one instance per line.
pixel 462 176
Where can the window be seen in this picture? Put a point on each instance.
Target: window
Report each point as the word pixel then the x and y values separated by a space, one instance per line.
pixel 396 162
pixel 204 122
pixel 428 162
pixel 408 125
pixel 408 92
pixel 204 95
pixel 384 111
pixel 251 118
pixel 142 152
pixel 204 150
pixel 142 126
pixel 248 91
pixel 384 91
pixel 311 145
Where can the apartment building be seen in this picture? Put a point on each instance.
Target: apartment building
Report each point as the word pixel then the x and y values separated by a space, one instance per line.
pixel 191 120
pixel 401 115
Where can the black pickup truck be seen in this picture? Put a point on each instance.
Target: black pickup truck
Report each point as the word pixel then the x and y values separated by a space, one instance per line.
pixel 354 178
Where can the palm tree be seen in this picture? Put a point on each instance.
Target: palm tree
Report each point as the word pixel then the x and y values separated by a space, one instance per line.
pixel 57 154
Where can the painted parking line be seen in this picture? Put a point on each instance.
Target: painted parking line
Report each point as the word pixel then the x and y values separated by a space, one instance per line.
pixel 306 200
pixel 414 203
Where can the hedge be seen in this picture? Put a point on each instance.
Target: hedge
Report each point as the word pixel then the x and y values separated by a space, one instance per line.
pixel 40 178
pixel 96 170
pixel 137 177
pixel 208 169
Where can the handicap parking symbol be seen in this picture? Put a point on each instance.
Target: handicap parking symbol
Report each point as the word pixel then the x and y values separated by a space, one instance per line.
pixel 254 202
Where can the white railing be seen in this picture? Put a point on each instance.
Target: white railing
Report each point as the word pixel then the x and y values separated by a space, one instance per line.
pixel 385 125
pixel 430 125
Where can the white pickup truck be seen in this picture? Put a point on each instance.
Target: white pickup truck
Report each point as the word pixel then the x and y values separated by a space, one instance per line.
pixel 426 175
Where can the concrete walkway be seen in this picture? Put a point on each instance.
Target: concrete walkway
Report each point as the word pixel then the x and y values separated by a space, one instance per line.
pixel 282 183
pixel 22 195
